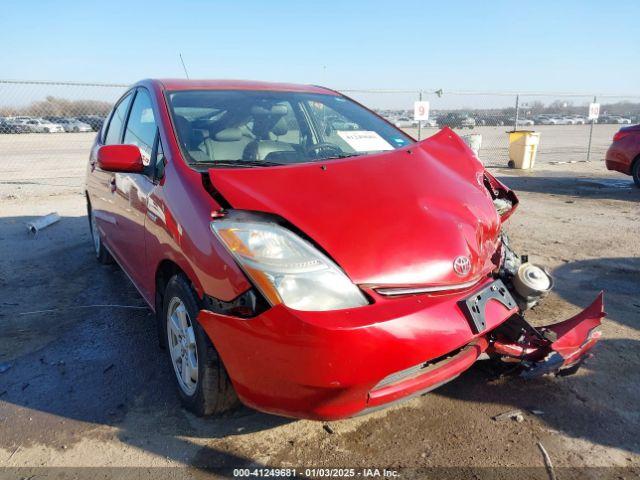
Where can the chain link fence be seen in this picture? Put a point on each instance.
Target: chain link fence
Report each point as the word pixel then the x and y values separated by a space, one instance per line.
pixel 47 128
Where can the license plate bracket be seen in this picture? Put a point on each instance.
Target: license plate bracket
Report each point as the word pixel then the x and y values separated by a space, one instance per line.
pixel 473 306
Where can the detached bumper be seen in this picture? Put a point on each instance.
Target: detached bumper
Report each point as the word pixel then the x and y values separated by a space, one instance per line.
pixel 331 365
pixel 556 348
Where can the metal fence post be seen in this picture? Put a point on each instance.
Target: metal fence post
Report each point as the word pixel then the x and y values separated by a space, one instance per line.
pixel 420 121
pixel 591 134
pixel 515 125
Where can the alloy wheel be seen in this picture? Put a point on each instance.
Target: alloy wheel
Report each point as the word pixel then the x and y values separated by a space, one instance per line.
pixel 182 346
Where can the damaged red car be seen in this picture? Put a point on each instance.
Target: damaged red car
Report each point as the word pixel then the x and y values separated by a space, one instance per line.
pixel 307 258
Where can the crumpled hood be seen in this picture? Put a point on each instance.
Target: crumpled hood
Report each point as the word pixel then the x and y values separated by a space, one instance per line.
pixel 395 218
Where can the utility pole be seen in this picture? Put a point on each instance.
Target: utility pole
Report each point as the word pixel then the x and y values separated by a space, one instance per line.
pixel 420 121
pixel 593 120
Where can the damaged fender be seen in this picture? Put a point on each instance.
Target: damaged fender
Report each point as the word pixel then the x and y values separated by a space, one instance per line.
pixel 559 348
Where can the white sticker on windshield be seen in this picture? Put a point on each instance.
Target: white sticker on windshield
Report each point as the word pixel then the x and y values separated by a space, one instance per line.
pixel 364 140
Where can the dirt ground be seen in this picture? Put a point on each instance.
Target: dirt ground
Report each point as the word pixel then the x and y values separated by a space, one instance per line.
pixel 88 386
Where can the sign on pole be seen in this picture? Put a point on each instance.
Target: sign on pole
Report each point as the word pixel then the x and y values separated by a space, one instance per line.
pixel 420 111
pixel 594 111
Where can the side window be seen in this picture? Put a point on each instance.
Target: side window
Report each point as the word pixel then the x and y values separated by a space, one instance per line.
pixel 141 127
pixel 117 119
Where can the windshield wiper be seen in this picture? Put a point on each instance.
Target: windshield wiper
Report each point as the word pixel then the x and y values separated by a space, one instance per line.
pixel 335 157
pixel 238 163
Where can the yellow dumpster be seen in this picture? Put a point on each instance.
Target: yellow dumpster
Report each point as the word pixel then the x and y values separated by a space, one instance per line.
pixel 523 146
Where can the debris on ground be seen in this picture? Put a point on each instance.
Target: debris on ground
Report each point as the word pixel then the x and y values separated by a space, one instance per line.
pixel 327 428
pixel 536 412
pixel 511 415
pixel 4 367
pixel 42 222
pixel 56 310
pixel 547 462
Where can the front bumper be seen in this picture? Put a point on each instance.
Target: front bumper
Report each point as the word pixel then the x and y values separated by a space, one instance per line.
pixel 331 365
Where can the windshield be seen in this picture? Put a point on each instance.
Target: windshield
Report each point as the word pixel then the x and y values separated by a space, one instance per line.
pixel 265 128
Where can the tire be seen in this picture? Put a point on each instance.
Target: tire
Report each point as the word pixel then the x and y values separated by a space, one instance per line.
pixel 102 254
pixel 207 389
pixel 635 171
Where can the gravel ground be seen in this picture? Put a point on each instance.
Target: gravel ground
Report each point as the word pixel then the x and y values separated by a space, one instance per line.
pixel 89 387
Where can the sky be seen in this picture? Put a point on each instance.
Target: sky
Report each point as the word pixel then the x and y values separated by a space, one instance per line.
pixel 549 46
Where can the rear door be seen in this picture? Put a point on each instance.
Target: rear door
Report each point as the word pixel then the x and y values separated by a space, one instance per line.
pixel 101 184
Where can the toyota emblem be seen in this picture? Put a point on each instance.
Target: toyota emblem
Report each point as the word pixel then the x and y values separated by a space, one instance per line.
pixel 462 265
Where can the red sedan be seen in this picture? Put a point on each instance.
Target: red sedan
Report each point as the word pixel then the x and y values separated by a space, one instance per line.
pixel 624 153
pixel 306 257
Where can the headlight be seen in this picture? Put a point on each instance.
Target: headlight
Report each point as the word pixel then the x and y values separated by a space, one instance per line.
pixel 286 268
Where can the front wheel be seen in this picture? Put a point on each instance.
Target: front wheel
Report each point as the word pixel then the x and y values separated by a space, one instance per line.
pixel 102 254
pixel 203 384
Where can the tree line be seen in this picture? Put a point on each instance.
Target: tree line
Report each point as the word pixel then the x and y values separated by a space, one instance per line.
pixel 59 107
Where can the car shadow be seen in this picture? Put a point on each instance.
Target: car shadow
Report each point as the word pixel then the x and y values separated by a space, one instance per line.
pixel 73 364
pixel 612 188
pixel 599 403
pixel 595 405
pixel 75 367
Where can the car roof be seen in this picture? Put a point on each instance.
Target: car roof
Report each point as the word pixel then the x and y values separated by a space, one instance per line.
pixel 184 84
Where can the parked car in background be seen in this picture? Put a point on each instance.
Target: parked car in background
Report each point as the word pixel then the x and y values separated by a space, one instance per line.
pixel 620 120
pixel 548 121
pixel 614 119
pixel 624 153
pixel 8 126
pixel 492 119
pixel 404 122
pixel 525 122
pixel 40 125
pixel 70 124
pixel 255 248
pixel 566 121
pixel 456 120
pixel 94 121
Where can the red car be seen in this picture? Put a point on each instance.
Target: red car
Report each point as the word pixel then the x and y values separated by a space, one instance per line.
pixel 624 153
pixel 306 257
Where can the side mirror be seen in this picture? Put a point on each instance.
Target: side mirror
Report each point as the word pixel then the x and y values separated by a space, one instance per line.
pixel 120 158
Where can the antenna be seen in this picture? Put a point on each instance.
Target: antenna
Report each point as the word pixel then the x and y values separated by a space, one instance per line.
pixel 184 66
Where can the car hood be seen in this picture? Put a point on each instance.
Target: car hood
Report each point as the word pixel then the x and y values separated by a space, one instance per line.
pixel 398 218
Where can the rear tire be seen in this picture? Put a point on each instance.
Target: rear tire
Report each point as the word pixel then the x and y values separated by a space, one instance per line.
pixel 635 171
pixel 203 383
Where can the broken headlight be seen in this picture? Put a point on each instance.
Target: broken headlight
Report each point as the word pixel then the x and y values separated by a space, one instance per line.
pixel 286 268
pixel 502 205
